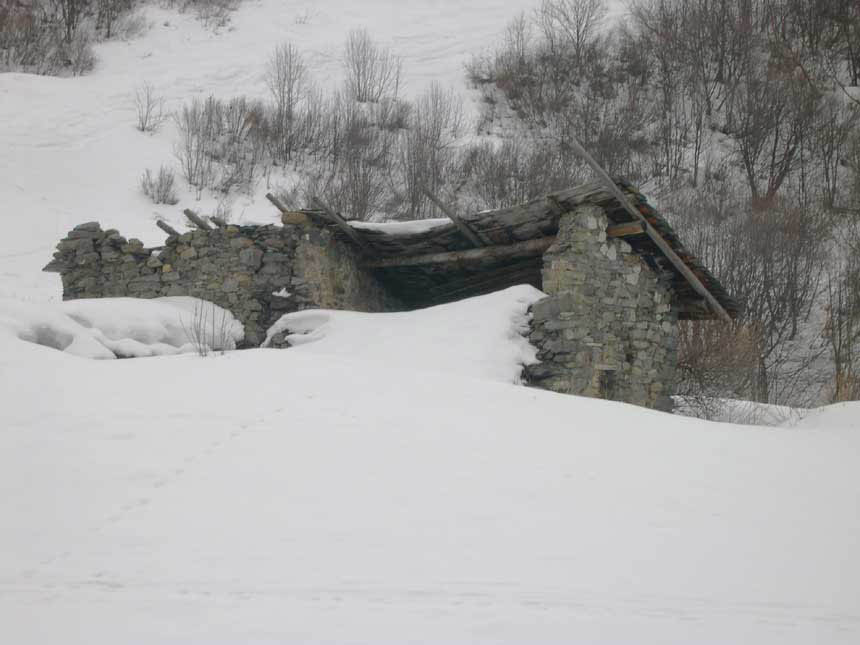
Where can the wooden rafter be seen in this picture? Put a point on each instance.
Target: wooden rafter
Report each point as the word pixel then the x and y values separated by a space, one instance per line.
pixel 468 233
pixel 341 223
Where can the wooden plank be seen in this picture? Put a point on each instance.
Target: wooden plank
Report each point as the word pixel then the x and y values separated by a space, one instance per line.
pixel 467 232
pixel 195 219
pixel 667 250
pixel 341 223
pixel 528 248
pixel 625 230
pixel 167 228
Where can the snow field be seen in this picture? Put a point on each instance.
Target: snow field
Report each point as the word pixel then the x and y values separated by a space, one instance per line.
pixel 310 495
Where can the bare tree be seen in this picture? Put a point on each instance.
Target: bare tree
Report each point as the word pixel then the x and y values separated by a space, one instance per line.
pixel 574 21
pixel 372 72
pixel 149 107
pixel 71 12
pixel 286 78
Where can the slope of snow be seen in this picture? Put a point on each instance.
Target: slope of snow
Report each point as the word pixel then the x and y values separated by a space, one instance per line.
pixel 838 415
pixel 479 337
pixel 305 495
pixel 69 152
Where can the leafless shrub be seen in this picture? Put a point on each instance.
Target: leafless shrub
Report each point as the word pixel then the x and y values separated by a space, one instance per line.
pixel 426 155
pixel 353 172
pixel 131 25
pixel 304 18
pixel 208 328
pixel 79 53
pixel 222 143
pixel 715 361
pixel 514 172
pixel 197 131
pixel 372 72
pixel 215 14
pixel 159 188
pixel 149 107
pixel 108 14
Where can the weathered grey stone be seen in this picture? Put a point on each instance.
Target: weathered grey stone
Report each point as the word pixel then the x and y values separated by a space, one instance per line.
pixel 250 257
pixel 586 331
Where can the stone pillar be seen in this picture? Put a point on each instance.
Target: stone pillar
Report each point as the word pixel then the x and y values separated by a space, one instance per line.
pixel 607 328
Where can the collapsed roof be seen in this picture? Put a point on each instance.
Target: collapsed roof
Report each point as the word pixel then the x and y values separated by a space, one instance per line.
pixel 434 261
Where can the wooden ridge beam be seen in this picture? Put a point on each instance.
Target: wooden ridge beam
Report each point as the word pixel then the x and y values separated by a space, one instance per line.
pixel 652 233
pixel 465 229
pixel 497 252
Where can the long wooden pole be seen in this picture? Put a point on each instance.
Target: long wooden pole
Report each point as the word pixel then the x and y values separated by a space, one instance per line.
pixel 340 222
pixel 467 232
pixel 195 219
pixel 652 233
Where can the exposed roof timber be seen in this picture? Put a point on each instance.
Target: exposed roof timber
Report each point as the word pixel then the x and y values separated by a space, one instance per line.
pixel 167 228
pixel 625 230
pixel 467 232
pixel 195 219
pixel 337 220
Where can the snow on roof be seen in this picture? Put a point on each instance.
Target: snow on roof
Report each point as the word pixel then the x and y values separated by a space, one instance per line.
pixel 403 228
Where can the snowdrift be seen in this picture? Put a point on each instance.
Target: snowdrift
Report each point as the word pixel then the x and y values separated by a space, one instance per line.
pixel 479 337
pixel 108 328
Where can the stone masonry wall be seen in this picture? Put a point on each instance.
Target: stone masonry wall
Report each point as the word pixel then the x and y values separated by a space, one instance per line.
pixel 608 328
pixel 257 272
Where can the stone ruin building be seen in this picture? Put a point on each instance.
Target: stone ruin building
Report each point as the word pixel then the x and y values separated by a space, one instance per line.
pixel 617 280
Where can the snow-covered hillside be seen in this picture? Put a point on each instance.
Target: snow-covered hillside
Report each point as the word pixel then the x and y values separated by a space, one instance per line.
pixel 69 151
pixel 307 495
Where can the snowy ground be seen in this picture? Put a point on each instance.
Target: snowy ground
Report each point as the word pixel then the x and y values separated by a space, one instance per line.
pixel 306 495
pixel 373 484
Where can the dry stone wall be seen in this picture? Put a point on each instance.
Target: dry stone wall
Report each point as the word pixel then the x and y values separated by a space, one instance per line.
pixel 608 328
pixel 257 272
